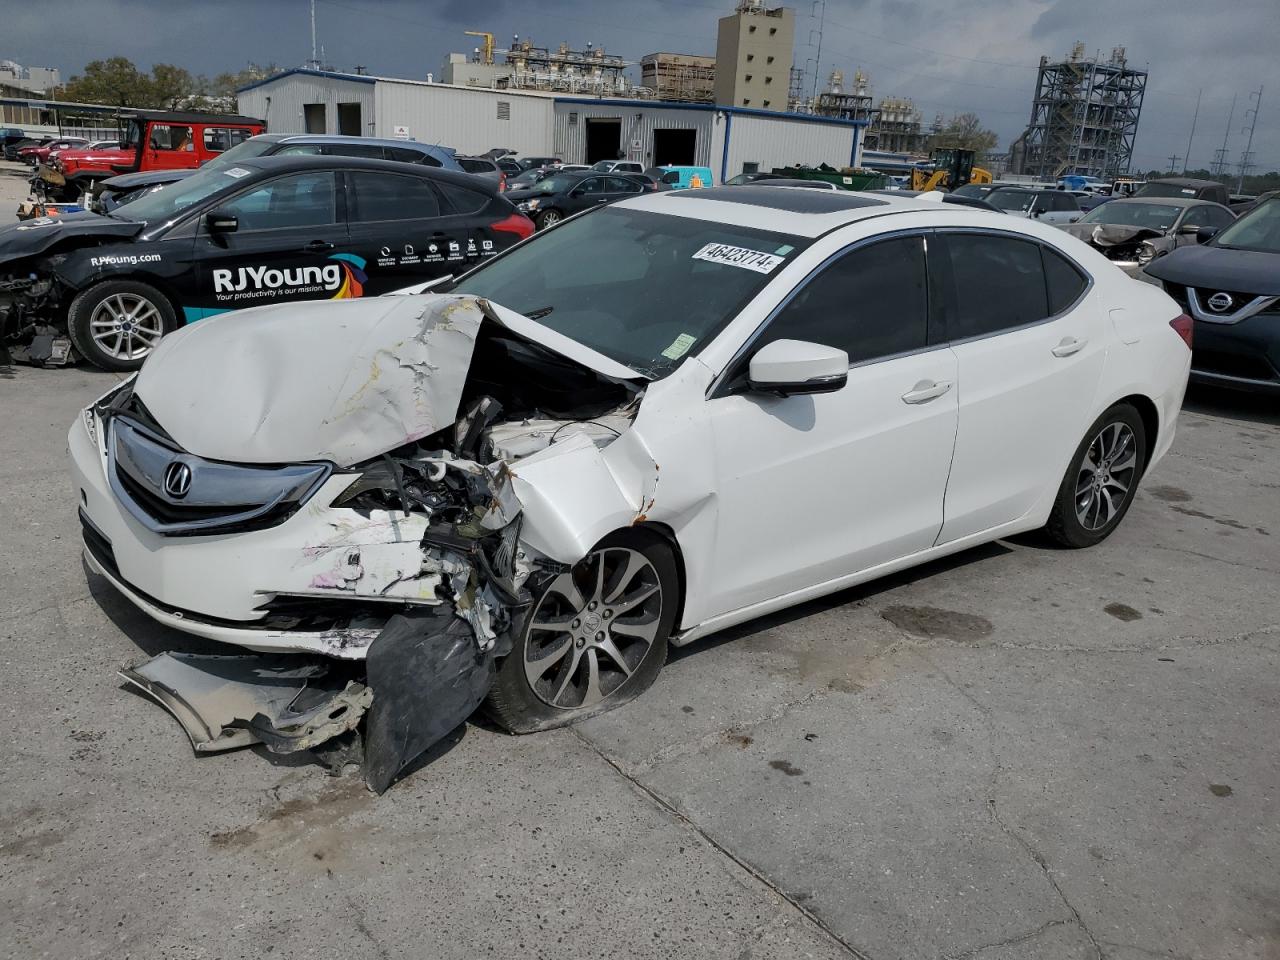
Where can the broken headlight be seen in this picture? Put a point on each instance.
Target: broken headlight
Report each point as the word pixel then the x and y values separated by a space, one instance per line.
pixel 92 414
pixel 1146 252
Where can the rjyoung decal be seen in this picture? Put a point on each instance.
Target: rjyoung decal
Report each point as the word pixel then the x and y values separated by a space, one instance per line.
pixel 342 276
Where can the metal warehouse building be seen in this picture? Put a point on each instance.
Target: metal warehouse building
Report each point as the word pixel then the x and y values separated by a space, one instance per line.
pixel 729 140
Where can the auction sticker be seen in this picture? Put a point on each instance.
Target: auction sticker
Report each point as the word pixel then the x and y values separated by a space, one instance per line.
pixel 755 260
pixel 236 172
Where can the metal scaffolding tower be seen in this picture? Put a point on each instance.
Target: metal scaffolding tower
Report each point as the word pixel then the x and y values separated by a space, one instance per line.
pixel 1084 117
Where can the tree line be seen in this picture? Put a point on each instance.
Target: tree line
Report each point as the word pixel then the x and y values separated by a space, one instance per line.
pixel 117 82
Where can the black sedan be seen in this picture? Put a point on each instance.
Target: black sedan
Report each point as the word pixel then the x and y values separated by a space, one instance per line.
pixel 561 195
pixel 268 230
pixel 1230 285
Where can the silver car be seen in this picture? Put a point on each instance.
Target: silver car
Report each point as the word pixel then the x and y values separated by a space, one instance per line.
pixel 1133 232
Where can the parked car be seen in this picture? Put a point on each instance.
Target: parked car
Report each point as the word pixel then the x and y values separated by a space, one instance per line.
pixel 561 195
pixel 509 165
pixel 736 180
pixel 529 163
pixel 1132 233
pixel 1230 284
pixel 617 166
pixel 11 135
pixel 682 178
pixel 492 524
pixel 1187 188
pixel 109 194
pixel 953 197
pixel 1050 206
pixel 150 140
pixel 484 168
pixel 37 153
pixel 266 230
pixel 12 148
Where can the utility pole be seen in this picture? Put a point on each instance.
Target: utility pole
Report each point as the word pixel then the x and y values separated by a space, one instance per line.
pixel 1173 162
pixel 1186 157
pixel 817 65
pixel 1220 155
pixel 315 63
pixel 1245 158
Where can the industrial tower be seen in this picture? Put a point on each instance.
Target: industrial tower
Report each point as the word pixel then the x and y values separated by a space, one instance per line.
pixel 1084 117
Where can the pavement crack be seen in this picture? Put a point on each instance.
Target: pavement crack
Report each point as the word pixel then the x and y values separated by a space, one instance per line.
pixel 676 814
pixel 1209 556
pixel 993 806
pixel 1009 942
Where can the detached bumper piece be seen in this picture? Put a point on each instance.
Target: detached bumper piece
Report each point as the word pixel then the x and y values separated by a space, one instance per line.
pixel 425 676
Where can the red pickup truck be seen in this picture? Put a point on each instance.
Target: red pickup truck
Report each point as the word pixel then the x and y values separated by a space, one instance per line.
pixel 149 140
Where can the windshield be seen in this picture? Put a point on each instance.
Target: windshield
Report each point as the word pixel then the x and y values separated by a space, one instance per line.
pixel 246 150
pixel 131 135
pixel 644 289
pixel 603 165
pixel 1259 229
pixel 1019 200
pixel 1166 190
pixel 555 184
pixel 1151 216
pixel 161 205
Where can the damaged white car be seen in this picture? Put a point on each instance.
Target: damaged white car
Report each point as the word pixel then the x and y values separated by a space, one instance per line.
pixel 659 419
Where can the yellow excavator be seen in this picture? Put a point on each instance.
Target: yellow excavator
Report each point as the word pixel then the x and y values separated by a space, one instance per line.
pixel 952 168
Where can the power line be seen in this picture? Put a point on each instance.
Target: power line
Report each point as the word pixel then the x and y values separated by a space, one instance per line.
pixel 1245 163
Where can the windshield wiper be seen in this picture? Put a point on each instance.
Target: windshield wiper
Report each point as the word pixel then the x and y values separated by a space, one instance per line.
pixel 540 313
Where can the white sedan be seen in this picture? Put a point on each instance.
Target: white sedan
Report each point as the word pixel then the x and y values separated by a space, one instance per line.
pixel 657 420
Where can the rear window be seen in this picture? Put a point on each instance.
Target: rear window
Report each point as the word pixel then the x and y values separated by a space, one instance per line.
pixel 461 199
pixel 999 284
pixel 1063 281
pixel 476 166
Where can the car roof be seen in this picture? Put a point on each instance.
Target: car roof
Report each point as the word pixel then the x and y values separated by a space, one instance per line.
pixel 278 164
pixel 1164 202
pixel 806 213
pixel 345 138
pixel 209 119
pixel 1187 182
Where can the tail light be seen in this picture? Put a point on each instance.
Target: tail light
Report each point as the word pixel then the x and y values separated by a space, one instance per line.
pixel 502 183
pixel 1184 327
pixel 517 223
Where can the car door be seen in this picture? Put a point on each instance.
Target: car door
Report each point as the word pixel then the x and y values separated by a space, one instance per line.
pixel 1201 216
pixel 1030 345
pixel 588 192
pixel 170 147
pixel 815 487
pixel 619 188
pixel 403 231
pixel 287 245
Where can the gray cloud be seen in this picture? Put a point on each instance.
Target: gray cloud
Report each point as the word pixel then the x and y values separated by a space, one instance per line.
pixel 971 55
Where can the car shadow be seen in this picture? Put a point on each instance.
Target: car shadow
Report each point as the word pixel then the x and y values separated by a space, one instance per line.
pixel 1232 404
pixel 864 591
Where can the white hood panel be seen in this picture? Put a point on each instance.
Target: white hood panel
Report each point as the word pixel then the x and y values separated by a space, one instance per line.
pixel 342 380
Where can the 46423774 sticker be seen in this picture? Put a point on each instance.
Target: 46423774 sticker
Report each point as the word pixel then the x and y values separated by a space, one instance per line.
pixel 742 257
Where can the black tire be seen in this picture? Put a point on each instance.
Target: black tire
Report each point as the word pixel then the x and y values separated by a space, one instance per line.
pixel 1085 511
pixel 520 708
pixel 80 318
pixel 548 218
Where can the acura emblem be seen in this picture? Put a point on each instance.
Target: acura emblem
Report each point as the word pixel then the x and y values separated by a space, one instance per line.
pixel 177 479
pixel 1220 302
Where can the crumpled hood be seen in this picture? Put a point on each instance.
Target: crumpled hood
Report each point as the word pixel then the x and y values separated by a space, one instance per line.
pixel 1110 234
pixel 129 181
pixel 342 381
pixel 31 237
pixel 1210 267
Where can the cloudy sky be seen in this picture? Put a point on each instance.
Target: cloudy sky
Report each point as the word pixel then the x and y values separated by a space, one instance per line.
pixel 960 55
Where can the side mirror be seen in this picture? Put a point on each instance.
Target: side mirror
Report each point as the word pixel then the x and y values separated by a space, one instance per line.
pixel 790 367
pixel 1205 234
pixel 219 222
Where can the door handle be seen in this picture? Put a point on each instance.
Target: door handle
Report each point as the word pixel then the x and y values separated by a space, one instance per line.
pixel 1069 345
pixel 926 390
pixel 318 246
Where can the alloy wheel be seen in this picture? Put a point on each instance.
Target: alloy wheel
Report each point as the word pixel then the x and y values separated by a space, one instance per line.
pixel 1107 475
pixel 126 326
pixel 550 219
pixel 592 628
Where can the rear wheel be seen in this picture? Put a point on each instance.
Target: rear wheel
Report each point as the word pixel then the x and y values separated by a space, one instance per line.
pixel 1100 484
pixel 595 639
pixel 116 324
pixel 548 218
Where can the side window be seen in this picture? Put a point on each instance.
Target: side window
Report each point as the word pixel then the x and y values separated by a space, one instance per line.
pixel 1220 218
pixel 219 139
pixel 168 137
pixel 592 185
pixel 370 151
pixel 299 150
pixel 405 155
pixel 623 185
pixel 1063 281
pixel 461 199
pixel 998 281
pixel 301 200
pixel 872 302
pixel 379 197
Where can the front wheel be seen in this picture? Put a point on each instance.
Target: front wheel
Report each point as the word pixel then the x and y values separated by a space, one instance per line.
pixel 1100 484
pixel 115 325
pixel 548 218
pixel 595 638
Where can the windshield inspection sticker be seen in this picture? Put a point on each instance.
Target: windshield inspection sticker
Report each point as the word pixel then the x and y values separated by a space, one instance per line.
pixel 738 257
pixel 679 347
pixel 236 172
